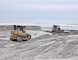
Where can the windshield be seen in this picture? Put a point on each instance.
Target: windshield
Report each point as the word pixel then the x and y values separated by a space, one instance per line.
pixel 19 28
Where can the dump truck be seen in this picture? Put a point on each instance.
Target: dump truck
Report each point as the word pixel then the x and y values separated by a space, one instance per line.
pixel 19 34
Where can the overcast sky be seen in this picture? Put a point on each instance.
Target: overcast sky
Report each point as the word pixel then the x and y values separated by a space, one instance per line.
pixel 39 11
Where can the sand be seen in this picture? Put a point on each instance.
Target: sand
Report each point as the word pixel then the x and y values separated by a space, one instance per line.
pixel 42 46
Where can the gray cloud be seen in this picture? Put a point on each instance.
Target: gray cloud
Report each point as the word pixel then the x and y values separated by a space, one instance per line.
pixel 34 11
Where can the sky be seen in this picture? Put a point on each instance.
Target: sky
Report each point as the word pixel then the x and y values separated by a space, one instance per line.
pixel 39 11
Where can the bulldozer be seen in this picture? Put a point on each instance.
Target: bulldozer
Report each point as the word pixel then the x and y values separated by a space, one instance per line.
pixel 57 29
pixel 19 34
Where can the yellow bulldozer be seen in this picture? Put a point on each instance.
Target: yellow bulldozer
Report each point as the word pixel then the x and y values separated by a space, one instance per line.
pixel 19 34
pixel 55 28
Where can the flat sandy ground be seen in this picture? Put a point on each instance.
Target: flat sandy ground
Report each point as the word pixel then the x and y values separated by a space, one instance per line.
pixel 42 46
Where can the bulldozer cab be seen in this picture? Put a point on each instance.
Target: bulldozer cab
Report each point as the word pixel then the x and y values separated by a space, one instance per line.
pixel 55 26
pixel 19 28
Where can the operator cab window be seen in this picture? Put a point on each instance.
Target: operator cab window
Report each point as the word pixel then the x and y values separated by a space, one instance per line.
pixel 19 28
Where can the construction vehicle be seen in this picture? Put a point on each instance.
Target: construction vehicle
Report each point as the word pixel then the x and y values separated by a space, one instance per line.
pixel 19 34
pixel 57 29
